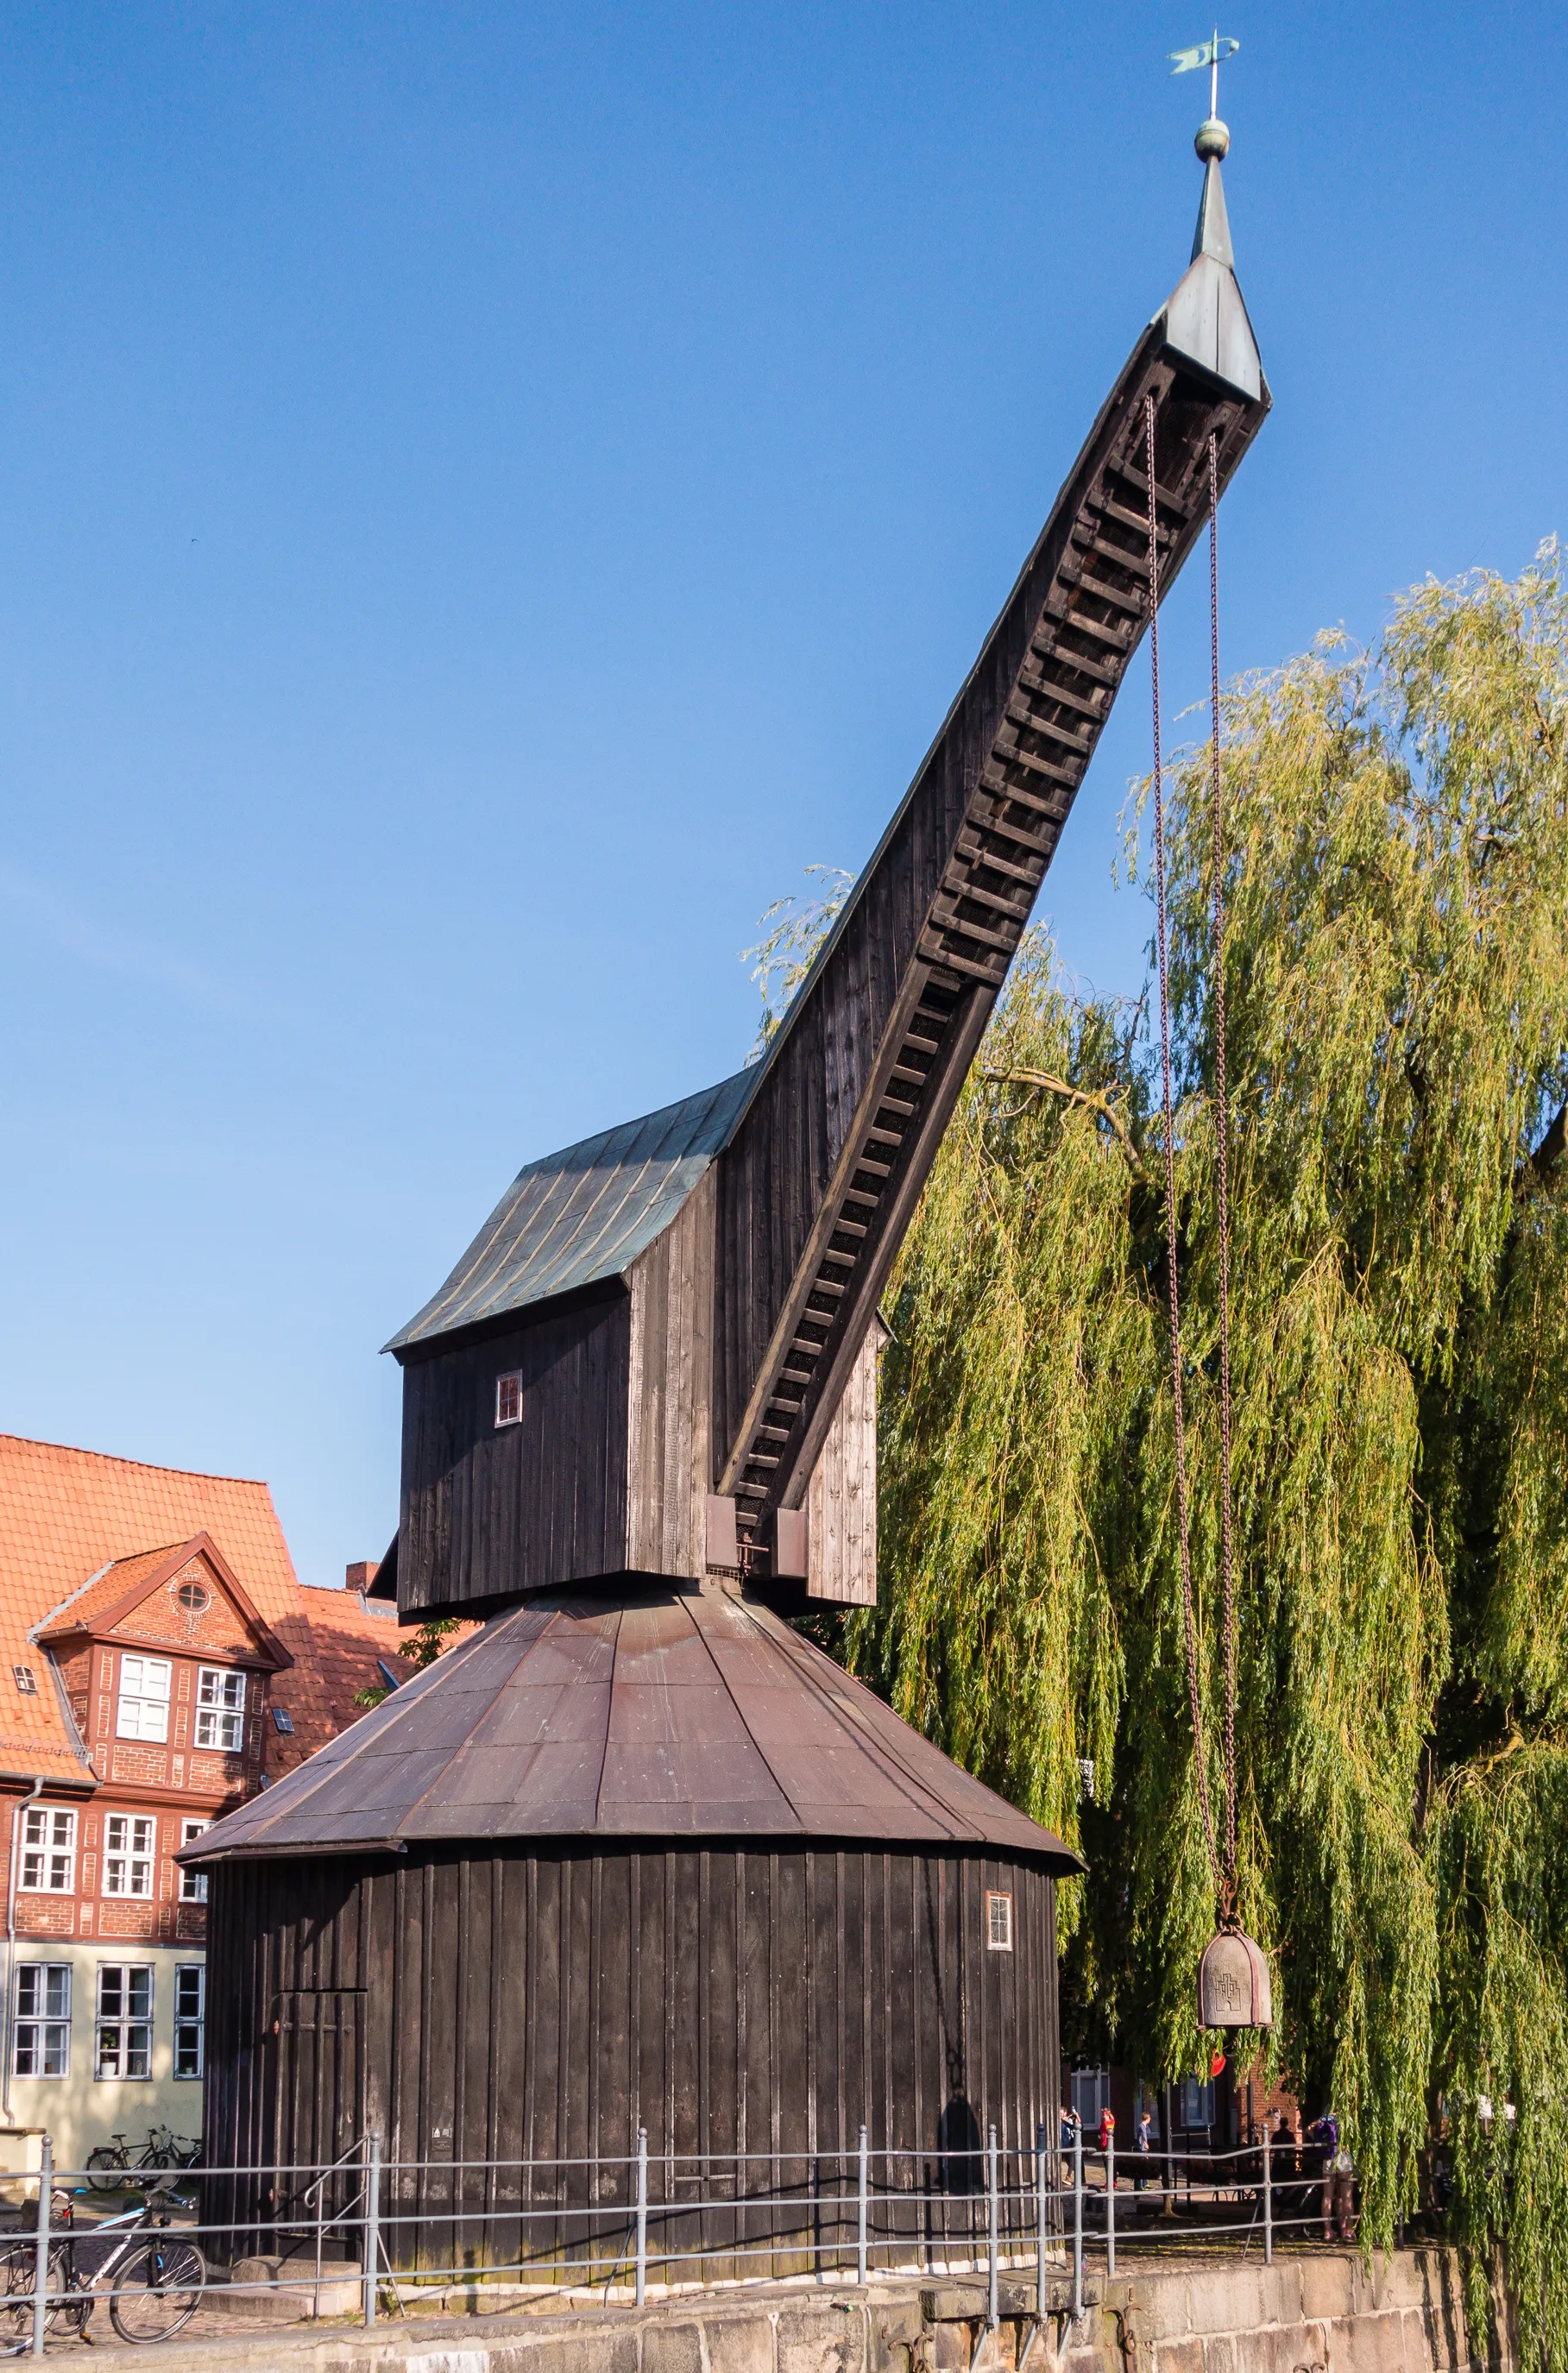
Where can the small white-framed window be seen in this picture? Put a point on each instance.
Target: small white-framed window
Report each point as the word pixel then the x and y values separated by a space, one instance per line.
pixel 123 2042
pixel 143 1698
pixel 49 1851
pixel 25 1680
pixel 130 1841
pixel 40 2044
pixel 190 2018
pixel 220 1709
pixel 998 1921
pixel 283 1722
pixel 508 1397
pixel 193 1883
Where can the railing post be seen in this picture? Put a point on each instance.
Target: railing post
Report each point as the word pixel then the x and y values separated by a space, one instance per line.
pixel 1268 2195
pixel 1110 2201
pixel 1077 2222
pixel 641 2214
pixel 1040 2220
pixel 40 2262
pixel 861 2233
pixel 992 2318
pixel 373 2222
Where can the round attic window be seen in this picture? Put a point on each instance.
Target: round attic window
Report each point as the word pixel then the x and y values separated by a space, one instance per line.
pixel 194 1597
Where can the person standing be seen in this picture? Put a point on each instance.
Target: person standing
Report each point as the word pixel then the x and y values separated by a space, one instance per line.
pixel 1337 2176
pixel 1144 2145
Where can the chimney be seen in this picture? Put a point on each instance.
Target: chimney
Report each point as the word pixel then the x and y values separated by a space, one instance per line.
pixel 361 1576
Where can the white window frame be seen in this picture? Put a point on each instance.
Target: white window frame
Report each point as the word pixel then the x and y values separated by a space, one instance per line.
pixel 126 2030
pixel 220 1709
pixel 130 1855
pixel 41 2029
pixel 509 1399
pixel 143 1699
pixel 189 2023
pixel 999 1919
pixel 193 1883
pixel 48 1850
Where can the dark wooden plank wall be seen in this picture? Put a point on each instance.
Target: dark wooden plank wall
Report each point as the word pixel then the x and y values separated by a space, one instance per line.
pixel 667 1463
pixel 841 1497
pixel 543 2006
pixel 487 1512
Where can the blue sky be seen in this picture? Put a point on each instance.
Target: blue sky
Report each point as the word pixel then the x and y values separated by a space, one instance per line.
pixel 488 495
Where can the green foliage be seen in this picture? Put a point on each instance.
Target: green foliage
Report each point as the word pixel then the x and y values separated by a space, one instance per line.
pixel 793 928
pixel 1397 984
pixel 423 1648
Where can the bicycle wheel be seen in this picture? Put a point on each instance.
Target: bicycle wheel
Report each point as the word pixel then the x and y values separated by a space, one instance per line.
pixel 106 2166
pixel 157 2289
pixel 18 2265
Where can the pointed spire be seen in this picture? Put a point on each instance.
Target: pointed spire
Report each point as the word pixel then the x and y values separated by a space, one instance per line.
pixel 1212 235
pixel 1206 318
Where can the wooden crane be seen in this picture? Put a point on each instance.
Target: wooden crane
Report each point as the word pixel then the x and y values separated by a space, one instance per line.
pixel 657 1357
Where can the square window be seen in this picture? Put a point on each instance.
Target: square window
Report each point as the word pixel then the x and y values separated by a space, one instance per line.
pixel 193 1883
pixel 509 1399
pixel 41 2037
pixel 143 1698
pixel 190 2018
pixel 124 2045
pixel 999 1923
pixel 220 1710
pixel 49 1851
pixel 25 1680
pixel 283 1722
pixel 129 1843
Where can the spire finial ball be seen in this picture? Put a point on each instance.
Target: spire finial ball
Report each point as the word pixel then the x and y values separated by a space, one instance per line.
pixel 1213 139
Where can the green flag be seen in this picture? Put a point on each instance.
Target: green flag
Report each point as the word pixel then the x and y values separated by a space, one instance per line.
pixel 1206 54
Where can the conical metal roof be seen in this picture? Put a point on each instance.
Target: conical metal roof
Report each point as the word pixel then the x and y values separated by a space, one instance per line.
pixel 674 1713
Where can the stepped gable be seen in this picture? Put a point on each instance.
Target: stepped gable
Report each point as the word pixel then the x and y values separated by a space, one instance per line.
pixel 675 1714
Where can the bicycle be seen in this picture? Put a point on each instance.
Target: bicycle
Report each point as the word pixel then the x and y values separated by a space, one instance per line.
pixel 112 2162
pixel 155 2284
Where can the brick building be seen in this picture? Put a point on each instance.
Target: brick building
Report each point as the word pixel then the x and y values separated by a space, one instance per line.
pixel 159 1662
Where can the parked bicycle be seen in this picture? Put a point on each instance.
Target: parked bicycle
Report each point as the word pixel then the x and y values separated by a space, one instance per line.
pixel 154 2277
pixel 112 2163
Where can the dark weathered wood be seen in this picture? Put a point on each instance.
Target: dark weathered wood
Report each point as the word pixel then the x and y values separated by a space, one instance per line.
pixel 489 1512
pixel 724 1999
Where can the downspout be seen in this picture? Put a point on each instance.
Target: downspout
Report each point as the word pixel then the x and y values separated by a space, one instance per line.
pixel 5 2017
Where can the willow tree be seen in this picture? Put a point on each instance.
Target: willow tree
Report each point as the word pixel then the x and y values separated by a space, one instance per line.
pixel 1397 978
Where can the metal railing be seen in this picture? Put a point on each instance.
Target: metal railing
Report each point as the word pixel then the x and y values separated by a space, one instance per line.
pixel 615 2226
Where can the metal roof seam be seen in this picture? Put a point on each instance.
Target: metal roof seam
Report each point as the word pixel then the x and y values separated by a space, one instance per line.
pixel 740 1714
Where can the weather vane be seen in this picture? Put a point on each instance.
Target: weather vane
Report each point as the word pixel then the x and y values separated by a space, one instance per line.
pixel 1212 137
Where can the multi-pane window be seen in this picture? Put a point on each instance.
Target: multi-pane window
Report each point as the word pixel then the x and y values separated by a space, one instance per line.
pixel 144 1697
pixel 999 1923
pixel 49 1851
pixel 190 2011
pixel 220 1709
pixel 509 1399
pixel 124 2020
pixel 129 1839
pixel 41 2040
pixel 193 1883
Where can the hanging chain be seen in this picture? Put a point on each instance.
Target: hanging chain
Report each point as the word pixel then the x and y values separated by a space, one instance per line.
pixel 1221 1126
pixel 1177 1402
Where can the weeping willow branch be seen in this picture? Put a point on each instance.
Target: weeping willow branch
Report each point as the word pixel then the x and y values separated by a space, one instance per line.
pixel 1087 1096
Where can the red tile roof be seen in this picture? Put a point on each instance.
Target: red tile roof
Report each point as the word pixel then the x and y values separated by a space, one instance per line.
pixel 66 1513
